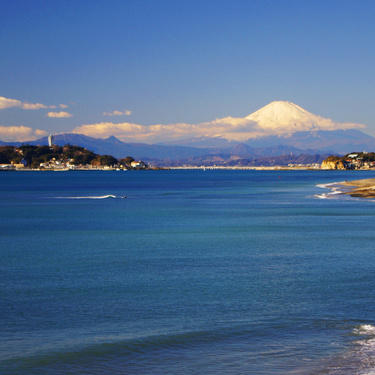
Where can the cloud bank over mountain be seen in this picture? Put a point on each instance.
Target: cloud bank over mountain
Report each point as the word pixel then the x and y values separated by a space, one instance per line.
pixel 229 128
pixel 20 133
pixel 277 118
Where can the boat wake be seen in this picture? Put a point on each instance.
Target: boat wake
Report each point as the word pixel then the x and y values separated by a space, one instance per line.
pixel 93 197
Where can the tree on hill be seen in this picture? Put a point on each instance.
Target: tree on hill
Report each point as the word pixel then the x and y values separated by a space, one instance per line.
pixel 9 155
pixel 333 158
pixel 126 161
pixel 80 158
pixel 105 160
pixel 78 155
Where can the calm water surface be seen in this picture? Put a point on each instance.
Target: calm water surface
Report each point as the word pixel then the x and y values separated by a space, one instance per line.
pixel 196 272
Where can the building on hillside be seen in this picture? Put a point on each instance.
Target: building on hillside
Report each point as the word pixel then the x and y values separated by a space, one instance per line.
pixel 138 164
pixel 7 167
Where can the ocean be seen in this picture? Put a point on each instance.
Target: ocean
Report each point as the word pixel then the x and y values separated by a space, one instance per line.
pixel 195 272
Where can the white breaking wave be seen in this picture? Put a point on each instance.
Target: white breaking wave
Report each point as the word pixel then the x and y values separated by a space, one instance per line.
pixel 329 195
pixel 91 197
pixel 336 189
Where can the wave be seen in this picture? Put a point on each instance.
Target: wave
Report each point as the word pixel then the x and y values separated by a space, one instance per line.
pixel 337 189
pixel 93 197
pixel 328 195
pixel 115 353
pixel 160 353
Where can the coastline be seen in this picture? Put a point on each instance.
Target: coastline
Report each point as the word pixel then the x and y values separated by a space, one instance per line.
pixel 361 188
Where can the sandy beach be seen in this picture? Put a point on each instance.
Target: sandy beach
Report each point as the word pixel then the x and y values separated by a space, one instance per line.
pixel 361 188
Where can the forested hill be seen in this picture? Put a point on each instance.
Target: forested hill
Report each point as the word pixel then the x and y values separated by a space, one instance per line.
pixel 34 156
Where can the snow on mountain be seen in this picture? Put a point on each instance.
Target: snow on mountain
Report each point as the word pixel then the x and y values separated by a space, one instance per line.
pixel 281 117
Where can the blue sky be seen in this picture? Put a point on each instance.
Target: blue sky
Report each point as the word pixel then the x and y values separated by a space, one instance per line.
pixel 70 63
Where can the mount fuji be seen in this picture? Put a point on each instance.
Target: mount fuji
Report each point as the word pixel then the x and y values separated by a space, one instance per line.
pixel 285 117
pixel 282 123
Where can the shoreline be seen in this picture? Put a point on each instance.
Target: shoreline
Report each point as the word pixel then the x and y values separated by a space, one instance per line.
pixel 361 188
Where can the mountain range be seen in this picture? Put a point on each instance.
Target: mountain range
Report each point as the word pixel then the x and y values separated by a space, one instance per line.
pixel 280 128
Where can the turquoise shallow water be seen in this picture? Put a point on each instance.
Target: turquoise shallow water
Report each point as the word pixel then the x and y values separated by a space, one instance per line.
pixel 242 272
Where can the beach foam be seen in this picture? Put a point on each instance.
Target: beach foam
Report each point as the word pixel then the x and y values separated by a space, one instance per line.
pixel 335 187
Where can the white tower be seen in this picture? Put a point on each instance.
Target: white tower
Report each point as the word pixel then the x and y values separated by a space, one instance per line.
pixel 50 140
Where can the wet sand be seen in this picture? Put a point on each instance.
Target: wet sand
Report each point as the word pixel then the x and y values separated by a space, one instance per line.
pixel 361 188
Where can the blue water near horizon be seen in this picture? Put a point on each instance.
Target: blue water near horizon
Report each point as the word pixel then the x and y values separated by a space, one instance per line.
pixel 232 272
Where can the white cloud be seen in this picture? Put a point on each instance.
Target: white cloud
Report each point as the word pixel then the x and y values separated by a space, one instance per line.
pixel 20 133
pixel 105 129
pixel 34 106
pixel 59 114
pixel 118 113
pixel 63 106
pixel 229 127
pixel 10 103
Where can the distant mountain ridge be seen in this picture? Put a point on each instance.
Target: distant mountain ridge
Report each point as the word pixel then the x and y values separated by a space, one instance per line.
pixel 287 129
pixel 320 142
pixel 118 149
pixel 334 141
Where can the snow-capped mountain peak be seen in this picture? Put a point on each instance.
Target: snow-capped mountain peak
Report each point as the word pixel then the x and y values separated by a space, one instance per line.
pixel 284 117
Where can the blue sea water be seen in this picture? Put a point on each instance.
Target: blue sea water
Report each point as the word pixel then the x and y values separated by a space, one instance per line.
pixel 195 272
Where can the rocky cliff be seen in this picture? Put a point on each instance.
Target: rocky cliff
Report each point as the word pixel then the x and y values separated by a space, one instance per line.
pixel 333 162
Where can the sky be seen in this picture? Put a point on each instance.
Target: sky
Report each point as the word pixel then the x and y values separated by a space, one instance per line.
pixel 123 67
